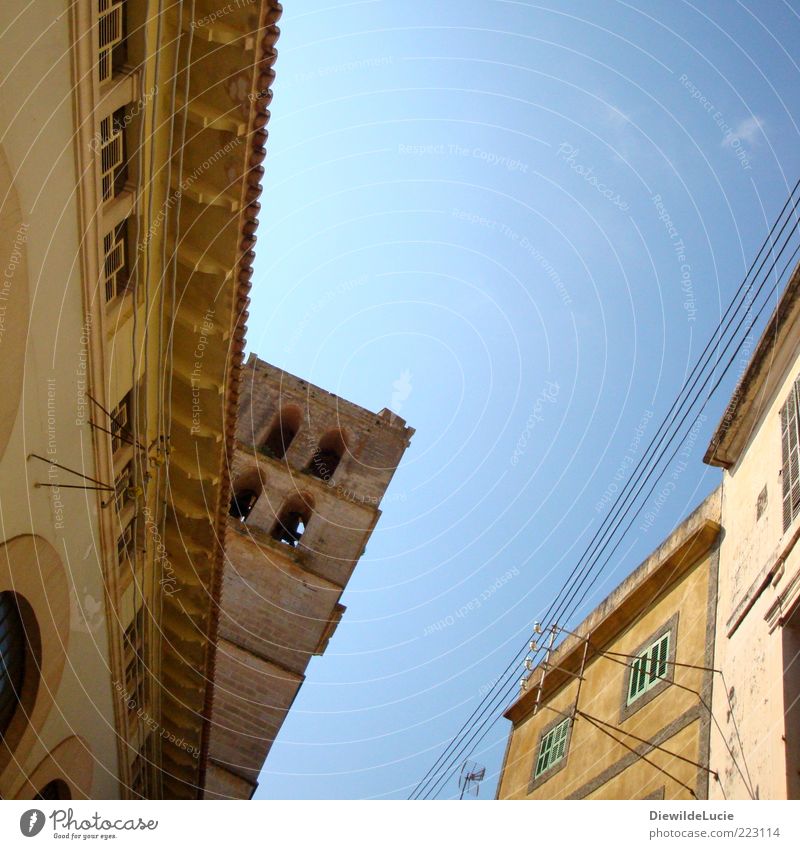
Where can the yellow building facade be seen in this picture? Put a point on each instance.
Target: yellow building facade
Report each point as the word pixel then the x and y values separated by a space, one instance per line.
pixel 130 171
pixel 620 709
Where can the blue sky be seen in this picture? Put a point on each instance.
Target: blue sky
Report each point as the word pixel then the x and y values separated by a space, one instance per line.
pixel 465 219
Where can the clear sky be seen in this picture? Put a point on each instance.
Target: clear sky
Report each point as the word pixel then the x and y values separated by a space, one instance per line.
pixel 464 219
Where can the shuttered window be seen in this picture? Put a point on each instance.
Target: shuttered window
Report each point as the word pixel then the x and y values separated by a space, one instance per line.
pixel 113 164
pixel 124 491
pixel 120 423
pixel 649 668
pixel 111 37
pixel 552 749
pixel 12 658
pixel 790 450
pixel 115 262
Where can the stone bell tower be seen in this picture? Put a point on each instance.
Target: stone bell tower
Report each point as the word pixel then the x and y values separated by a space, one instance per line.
pixel 308 474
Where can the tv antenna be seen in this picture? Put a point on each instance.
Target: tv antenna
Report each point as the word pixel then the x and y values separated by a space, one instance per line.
pixel 471 776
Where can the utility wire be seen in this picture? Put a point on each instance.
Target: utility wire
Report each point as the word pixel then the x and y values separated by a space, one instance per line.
pixel 689 384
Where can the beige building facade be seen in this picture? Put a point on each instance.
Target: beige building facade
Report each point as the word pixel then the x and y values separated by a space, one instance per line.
pixel 758 623
pixel 309 471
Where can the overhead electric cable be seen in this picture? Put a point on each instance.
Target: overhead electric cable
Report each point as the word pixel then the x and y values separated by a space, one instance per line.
pixel 604 533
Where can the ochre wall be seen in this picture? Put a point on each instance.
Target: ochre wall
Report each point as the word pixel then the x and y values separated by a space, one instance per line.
pixel 593 757
pixel 50 542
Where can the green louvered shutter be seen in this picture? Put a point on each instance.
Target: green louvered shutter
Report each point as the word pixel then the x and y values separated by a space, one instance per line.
pixel 649 668
pixel 790 451
pixel 661 653
pixel 544 754
pixel 552 748
pixel 637 678
pixel 560 741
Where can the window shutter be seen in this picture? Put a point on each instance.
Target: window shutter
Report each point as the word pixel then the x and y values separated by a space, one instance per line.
pixel 649 668
pixel 110 34
pixel 790 452
pixel 637 673
pixel 658 659
pixel 544 751
pixel 111 154
pixel 560 743
pixel 664 653
pixel 552 748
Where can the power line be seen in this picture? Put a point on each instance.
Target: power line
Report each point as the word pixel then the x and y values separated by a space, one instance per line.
pixel 604 534
pixel 634 478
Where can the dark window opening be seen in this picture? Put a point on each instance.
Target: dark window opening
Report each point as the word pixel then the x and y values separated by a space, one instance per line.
pixel 283 432
pixel 289 528
pixel 12 658
pixel 327 456
pixel 53 791
pixel 242 503
pixel 292 522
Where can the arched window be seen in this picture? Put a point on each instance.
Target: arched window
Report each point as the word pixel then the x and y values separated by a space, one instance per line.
pixel 53 791
pixel 293 520
pixel 242 503
pixel 328 455
pixel 246 492
pixel 282 432
pixel 13 658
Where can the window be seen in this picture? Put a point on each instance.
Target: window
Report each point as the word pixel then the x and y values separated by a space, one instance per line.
pixel 53 791
pixel 553 748
pixel 126 557
pixel 242 503
pixel 293 520
pixel 111 37
pixel 141 766
pixel 12 658
pixel 123 486
pixel 790 450
pixel 328 455
pixel 120 423
pixel 133 651
pixel 115 264
pixel 246 491
pixel 649 668
pixel 125 545
pixel 113 165
pixel 282 433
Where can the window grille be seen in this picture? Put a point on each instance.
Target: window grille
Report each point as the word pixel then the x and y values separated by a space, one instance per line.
pixel 115 266
pixel 112 153
pixel 111 33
